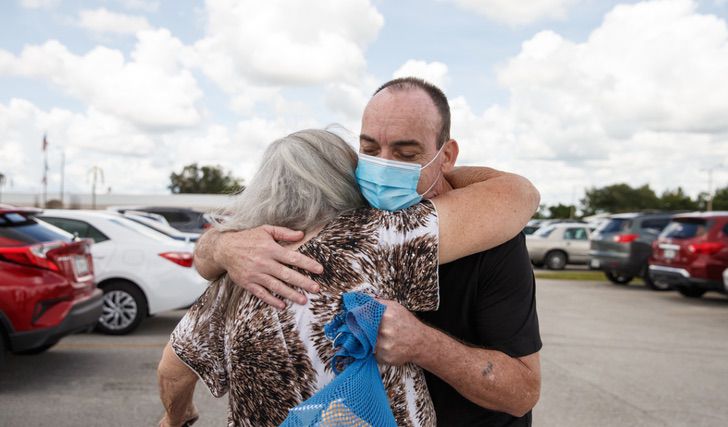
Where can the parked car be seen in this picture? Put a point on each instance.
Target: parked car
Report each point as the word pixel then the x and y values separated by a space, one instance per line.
pixel 621 246
pixel 142 272
pixel 183 219
pixel 691 254
pixel 725 280
pixel 559 244
pixel 47 288
pixel 161 226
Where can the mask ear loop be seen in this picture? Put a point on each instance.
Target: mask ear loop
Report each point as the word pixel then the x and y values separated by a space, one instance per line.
pixel 438 176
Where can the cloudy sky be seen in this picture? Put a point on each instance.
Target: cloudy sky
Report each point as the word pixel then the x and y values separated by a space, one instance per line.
pixel 570 93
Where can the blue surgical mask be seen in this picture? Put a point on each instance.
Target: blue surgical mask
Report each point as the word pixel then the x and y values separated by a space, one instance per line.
pixel 388 184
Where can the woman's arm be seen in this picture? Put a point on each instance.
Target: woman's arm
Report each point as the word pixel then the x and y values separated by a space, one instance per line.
pixel 485 209
pixel 176 390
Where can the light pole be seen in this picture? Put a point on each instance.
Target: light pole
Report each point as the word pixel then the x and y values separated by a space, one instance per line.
pixel 2 184
pixel 710 171
pixel 95 173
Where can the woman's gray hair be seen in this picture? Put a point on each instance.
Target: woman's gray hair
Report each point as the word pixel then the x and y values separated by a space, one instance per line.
pixel 305 180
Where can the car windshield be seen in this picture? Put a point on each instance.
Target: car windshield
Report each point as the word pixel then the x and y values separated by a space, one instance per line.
pixel 18 229
pixel 614 225
pixel 685 228
pixel 545 231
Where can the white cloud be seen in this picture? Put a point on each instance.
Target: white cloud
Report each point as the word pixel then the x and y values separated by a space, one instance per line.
pixel 642 100
pixel 39 4
pixel 434 72
pixel 103 21
pixel 518 12
pixel 152 89
pixel 271 43
pixel 143 5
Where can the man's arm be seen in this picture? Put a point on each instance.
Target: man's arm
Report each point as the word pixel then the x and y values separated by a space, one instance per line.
pixel 176 390
pixel 485 209
pixel 256 261
pixel 488 378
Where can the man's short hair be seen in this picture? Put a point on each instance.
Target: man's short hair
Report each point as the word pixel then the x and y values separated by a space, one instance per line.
pixel 436 95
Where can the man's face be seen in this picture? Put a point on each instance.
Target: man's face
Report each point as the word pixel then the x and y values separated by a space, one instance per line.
pixel 403 125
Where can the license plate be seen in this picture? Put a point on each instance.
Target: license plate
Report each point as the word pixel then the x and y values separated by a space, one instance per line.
pixel 594 263
pixel 669 254
pixel 80 264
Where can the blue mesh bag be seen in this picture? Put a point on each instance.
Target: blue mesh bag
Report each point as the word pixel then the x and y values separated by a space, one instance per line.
pixel 356 396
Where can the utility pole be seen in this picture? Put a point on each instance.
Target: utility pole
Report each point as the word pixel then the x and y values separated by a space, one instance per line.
pixel 96 173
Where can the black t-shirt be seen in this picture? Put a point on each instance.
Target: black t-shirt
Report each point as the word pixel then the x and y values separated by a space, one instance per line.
pixel 487 300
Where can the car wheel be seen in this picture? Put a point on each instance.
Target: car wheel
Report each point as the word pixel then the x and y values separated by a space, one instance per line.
pixel 617 278
pixel 656 285
pixel 537 264
pixel 3 349
pixel 555 260
pixel 691 292
pixel 124 308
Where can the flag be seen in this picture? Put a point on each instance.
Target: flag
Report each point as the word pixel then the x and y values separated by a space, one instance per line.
pixel 45 143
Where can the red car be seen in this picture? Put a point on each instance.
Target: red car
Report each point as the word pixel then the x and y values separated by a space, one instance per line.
pixel 47 288
pixel 691 254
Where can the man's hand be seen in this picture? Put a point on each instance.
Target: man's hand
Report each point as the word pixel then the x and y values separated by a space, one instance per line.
pixel 255 260
pixel 401 335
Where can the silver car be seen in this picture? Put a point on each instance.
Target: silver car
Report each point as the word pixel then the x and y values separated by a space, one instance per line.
pixel 559 244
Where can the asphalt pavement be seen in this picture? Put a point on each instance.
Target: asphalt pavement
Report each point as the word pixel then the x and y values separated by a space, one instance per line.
pixel 612 356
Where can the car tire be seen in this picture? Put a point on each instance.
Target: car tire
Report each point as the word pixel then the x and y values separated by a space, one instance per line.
pixel 655 285
pixel 690 292
pixel 618 279
pixel 556 260
pixel 124 308
pixel 537 264
pixel 3 348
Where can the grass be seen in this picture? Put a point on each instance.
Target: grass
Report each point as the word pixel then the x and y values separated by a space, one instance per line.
pixel 588 275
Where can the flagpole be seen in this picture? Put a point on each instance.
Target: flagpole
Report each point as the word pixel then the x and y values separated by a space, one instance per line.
pixel 63 175
pixel 45 171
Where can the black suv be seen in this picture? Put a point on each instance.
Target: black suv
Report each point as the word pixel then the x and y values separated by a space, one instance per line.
pixel 621 246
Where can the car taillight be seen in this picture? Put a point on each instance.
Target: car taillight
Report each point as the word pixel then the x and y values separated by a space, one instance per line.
pixel 626 238
pixel 705 248
pixel 180 258
pixel 206 226
pixel 35 255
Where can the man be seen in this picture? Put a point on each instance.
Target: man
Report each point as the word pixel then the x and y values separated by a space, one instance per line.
pixel 481 346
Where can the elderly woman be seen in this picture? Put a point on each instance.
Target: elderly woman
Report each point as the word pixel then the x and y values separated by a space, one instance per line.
pixel 267 360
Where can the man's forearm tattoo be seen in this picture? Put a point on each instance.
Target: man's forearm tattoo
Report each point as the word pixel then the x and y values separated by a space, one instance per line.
pixel 488 369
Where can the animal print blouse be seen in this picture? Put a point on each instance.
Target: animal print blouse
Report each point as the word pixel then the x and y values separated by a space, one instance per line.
pixel 269 360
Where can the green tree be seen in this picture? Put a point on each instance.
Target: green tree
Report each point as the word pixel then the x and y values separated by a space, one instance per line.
pixel 204 180
pixel 619 198
pixel 720 199
pixel 562 211
pixel 674 200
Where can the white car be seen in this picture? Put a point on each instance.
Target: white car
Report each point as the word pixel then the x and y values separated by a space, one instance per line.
pixel 141 271
pixel 559 244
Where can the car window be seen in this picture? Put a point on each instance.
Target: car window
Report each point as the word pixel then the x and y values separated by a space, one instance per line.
pixel 725 229
pixel 545 231
pixel 576 234
pixel 175 216
pixel 17 229
pixel 655 224
pixel 685 228
pixel 615 225
pixel 80 228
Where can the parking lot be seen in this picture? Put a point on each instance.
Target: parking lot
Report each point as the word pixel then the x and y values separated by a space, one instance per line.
pixel 612 356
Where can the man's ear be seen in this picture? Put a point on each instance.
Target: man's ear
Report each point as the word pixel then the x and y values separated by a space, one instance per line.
pixel 450 154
